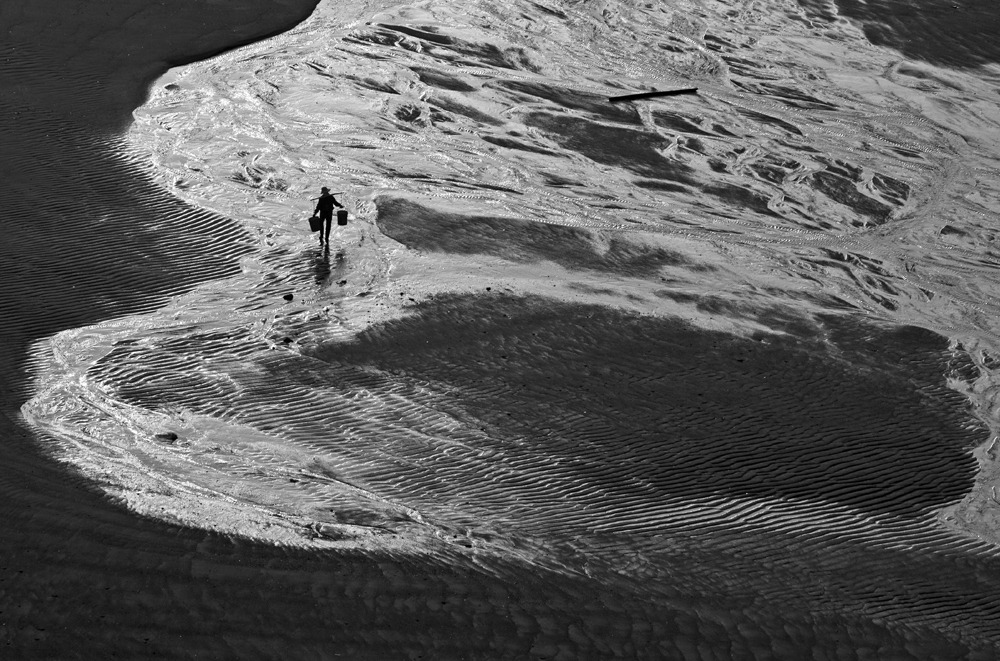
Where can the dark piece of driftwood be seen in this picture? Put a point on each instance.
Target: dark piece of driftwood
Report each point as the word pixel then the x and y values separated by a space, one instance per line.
pixel 646 95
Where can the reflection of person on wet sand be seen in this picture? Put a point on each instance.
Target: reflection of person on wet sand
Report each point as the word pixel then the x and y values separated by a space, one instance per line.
pixel 321 265
pixel 322 269
pixel 324 207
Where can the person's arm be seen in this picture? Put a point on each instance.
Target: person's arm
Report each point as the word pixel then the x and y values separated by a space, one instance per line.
pixel 339 205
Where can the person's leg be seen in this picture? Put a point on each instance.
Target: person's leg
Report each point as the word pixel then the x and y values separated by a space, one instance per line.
pixel 329 221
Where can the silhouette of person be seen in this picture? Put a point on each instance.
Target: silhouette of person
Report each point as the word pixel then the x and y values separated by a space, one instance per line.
pixel 324 207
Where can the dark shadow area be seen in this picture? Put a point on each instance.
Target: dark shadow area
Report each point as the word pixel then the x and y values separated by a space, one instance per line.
pixel 842 168
pixel 789 96
pixel 768 119
pixel 833 410
pixel 631 149
pixel 893 189
pixel 510 143
pixel 442 80
pixel 844 191
pixel 744 67
pixel 516 240
pixel 568 98
pixel 559 181
pixel 740 197
pixel 796 98
pixel 943 32
pixel 773 168
pixel 374 85
pixel 550 10
pixel 474 114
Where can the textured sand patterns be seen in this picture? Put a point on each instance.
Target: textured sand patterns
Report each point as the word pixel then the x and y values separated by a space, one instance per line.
pixel 597 390
pixel 513 466
pixel 100 212
pixel 567 500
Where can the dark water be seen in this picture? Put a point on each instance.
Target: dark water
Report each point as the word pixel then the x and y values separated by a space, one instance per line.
pixel 950 33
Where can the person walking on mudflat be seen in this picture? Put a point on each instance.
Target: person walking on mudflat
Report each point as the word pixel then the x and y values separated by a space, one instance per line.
pixel 324 207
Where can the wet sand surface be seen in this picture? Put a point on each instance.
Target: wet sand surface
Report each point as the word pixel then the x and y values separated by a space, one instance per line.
pixel 957 34
pixel 722 404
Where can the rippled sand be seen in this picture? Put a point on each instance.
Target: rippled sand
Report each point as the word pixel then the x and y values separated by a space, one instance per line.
pixel 701 377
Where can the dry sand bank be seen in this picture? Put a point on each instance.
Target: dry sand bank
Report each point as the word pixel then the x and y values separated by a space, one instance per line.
pixel 631 445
